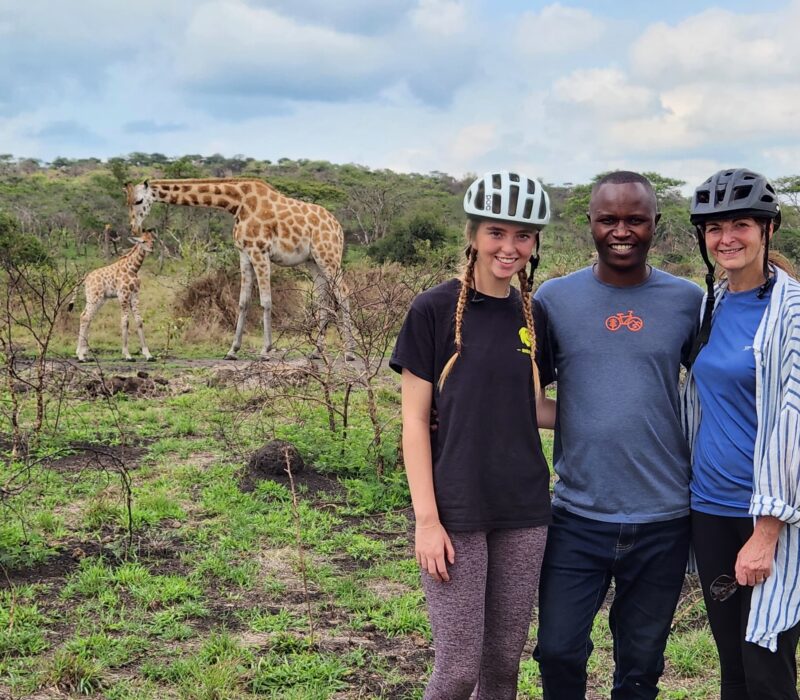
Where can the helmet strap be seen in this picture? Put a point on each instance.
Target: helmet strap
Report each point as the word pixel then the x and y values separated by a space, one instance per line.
pixel 534 260
pixel 705 326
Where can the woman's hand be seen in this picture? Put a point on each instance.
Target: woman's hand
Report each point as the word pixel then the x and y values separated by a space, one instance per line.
pixel 754 561
pixel 432 546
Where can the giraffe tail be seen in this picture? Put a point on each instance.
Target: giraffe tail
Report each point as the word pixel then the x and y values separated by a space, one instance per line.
pixel 71 303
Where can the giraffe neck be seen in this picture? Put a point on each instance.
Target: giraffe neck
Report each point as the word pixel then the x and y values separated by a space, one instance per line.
pixel 134 258
pixel 216 194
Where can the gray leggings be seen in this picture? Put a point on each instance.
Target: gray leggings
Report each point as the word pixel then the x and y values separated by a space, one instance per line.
pixel 480 618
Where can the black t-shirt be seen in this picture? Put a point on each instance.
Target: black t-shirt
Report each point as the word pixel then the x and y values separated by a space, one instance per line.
pixel 488 467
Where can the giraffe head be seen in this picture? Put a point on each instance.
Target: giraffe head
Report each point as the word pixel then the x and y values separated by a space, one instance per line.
pixel 140 199
pixel 146 240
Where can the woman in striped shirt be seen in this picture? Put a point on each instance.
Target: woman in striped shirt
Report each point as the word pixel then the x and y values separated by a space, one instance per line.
pixel 742 415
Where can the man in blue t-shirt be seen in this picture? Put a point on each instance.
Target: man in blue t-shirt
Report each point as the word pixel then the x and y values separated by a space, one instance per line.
pixel 619 331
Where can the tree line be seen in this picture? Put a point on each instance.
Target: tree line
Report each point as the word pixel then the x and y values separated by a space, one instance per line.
pixel 387 216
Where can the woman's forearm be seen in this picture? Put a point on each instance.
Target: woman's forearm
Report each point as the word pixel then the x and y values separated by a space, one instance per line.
pixel 419 470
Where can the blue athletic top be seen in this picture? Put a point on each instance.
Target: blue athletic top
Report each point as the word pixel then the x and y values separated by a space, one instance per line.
pixel 725 372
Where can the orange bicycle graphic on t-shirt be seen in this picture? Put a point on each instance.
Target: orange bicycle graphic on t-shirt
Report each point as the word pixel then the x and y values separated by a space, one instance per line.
pixel 620 319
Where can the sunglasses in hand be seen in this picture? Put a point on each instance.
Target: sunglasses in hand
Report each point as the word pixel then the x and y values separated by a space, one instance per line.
pixel 723 587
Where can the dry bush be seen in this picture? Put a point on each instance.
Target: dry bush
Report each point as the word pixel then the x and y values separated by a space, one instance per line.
pixel 380 296
pixel 212 302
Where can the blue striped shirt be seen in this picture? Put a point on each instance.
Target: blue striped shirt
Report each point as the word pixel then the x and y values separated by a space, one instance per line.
pixel 775 604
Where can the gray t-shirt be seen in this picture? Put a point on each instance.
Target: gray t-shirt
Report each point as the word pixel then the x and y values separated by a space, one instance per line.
pixel 619 451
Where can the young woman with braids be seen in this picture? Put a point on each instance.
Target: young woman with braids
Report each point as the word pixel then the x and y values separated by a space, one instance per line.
pixel 479 483
pixel 742 417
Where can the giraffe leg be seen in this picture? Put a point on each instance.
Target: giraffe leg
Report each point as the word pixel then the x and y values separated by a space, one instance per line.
pixel 322 301
pixel 263 271
pixel 245 292
pixel 92 307
pixel 331 293
pixel 125 308
pixel 140 327
pixel 342 296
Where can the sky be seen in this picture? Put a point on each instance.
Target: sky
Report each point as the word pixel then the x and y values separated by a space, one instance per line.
pixel 560 91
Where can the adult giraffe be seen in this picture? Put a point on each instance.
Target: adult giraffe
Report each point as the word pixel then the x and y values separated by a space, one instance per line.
pixel 268 228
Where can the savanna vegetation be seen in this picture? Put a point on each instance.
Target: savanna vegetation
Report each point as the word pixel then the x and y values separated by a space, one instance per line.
pixel 149 546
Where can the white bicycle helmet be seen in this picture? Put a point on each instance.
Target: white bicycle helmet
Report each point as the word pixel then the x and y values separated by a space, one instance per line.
pixel 509 197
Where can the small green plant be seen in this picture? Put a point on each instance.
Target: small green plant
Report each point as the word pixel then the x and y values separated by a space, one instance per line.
pixel 316 674
pixel 21 623
pixel 691 653
pixel 370 495
pixel 401 615
pixel 92 577
pixel 260 620
pixel 164 590
pixel 73 673
pixel 358 546
pixel 101 513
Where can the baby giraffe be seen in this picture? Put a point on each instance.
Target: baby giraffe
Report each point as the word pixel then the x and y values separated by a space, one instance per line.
pixel 119 279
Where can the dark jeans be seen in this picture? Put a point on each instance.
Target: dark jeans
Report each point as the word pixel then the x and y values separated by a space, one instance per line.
pixel 748 671
pixel 647 563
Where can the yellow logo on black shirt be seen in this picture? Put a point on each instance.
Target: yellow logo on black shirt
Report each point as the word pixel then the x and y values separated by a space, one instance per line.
pixel 525 337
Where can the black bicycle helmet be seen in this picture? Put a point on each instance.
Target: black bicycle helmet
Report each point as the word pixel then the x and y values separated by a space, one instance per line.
pixel 735 193
pixel 729 194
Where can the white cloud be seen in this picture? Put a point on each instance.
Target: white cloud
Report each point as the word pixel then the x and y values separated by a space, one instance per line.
pixel 260 41
pixel 473 141
pixel 271 56
pixel 440 17
pixel 782 159
pixel 720 46
pixel 557 29
pixel 605 91
pixel 356 16
pixel 719 118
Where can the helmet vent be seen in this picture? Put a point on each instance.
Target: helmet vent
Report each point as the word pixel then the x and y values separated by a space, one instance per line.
pixel 542 208
pixel 496 180
pixel 513 198
pixel 741 192
pixel 513 177
pixel 767 198
pixel 526 213
pixel 719 195
pixel 702 196
pixel 531 187
pixel 496 203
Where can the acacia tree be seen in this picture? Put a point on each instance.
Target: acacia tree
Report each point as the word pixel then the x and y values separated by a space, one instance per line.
pixel 373 208
pixel 34 292
pixel 788 239
pixel 789 189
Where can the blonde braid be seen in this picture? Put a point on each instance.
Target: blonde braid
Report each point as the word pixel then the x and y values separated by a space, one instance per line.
pixel 466 283
pixel 528 313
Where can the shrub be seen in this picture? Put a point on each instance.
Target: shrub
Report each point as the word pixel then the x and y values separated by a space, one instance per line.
pixel 407 240
pixel 213 299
